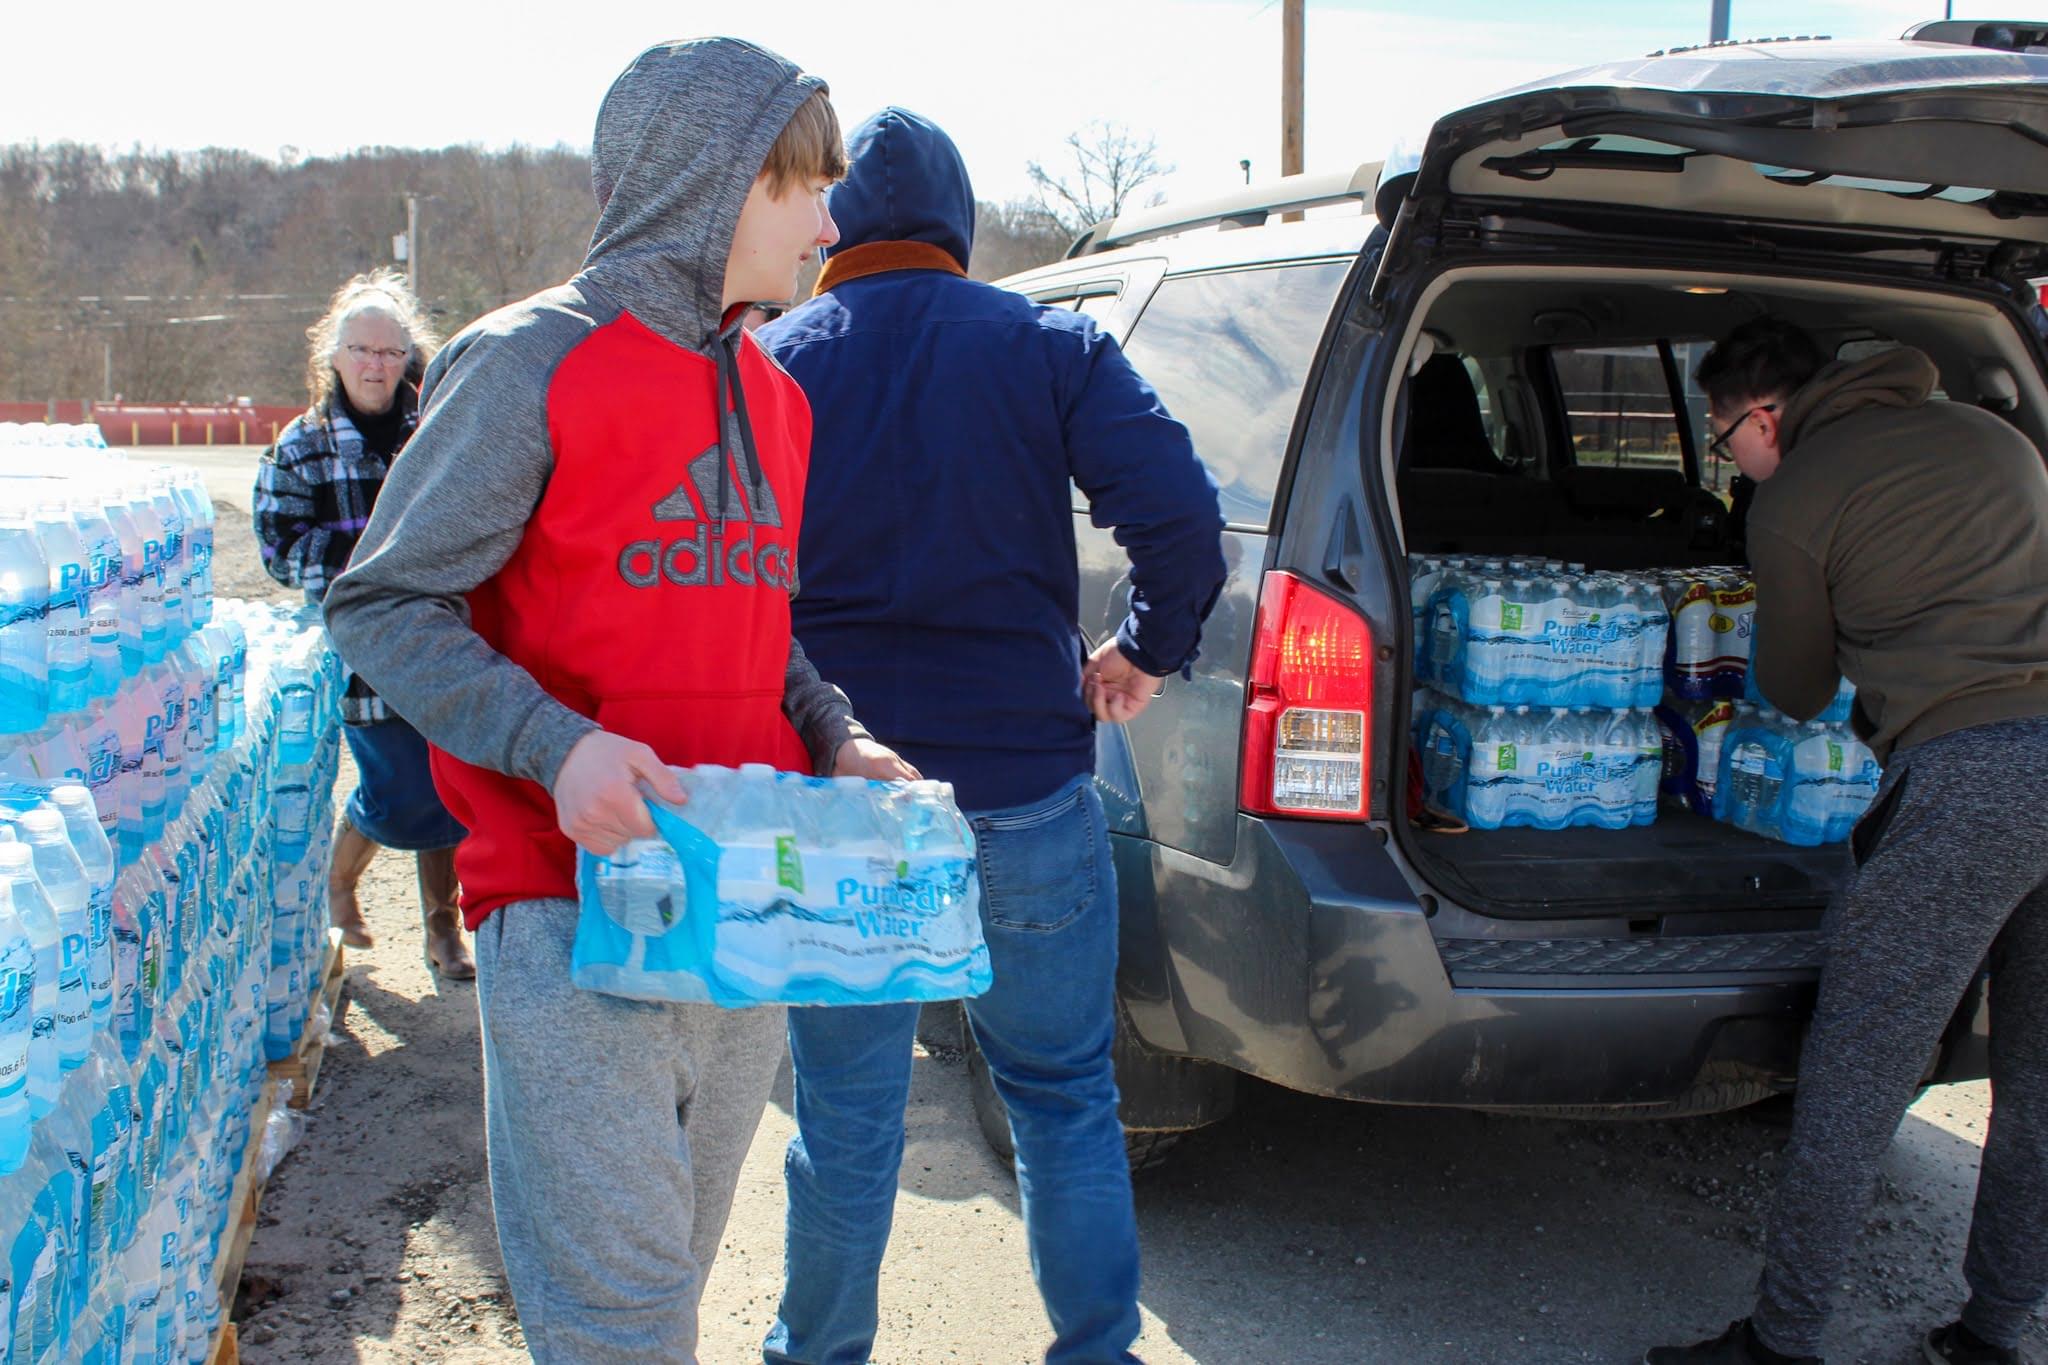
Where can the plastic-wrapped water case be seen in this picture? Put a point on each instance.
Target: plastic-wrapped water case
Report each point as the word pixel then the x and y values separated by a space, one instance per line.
pixel 774 888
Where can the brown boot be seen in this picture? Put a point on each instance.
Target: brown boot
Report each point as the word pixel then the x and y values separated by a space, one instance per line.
pixel 445 948
pixel 353 851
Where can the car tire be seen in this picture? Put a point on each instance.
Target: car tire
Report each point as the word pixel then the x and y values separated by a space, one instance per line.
pixel 1145 1149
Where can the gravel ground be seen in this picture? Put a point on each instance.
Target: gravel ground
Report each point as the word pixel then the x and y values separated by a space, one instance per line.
pixel 1299 1231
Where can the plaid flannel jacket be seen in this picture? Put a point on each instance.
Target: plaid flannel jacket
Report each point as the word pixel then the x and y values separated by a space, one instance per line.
pixel 314 492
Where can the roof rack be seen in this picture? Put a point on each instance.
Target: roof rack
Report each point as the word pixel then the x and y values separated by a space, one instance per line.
pixel 1252 206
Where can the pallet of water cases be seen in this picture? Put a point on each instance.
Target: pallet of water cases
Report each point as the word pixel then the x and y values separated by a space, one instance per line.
pixel 241 1227
pixel 302 1068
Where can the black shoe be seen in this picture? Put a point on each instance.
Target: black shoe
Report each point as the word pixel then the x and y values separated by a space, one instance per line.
pixel 1736 1346
pixel 1956 1344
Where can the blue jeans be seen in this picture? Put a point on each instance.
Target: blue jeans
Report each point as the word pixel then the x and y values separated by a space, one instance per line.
pixel 1049 911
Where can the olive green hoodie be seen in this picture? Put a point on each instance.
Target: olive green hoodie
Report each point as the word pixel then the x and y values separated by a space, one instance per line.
pixel 1902 542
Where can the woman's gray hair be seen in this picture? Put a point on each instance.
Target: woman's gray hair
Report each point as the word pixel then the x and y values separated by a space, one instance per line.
pixel 382 291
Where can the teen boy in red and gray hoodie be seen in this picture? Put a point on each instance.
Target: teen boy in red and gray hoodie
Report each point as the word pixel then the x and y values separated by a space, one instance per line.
pixel 579 573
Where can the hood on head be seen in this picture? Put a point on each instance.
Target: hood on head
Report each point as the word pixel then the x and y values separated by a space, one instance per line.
pixel 681 137
pixel 1902 377
pixel 905 183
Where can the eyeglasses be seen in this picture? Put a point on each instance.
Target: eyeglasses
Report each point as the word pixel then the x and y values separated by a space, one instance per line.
pixel 363 355
pixel 1718 447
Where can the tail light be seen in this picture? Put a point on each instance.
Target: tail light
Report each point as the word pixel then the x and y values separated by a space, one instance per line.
pixel 1308 708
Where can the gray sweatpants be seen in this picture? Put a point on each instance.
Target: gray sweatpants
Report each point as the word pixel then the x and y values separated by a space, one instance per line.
pixel 1958 873
pixel 616 1130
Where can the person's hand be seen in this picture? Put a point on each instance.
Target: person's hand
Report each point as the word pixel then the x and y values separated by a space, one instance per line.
pixel 599 796
pixel 1115 689
pixel 875 762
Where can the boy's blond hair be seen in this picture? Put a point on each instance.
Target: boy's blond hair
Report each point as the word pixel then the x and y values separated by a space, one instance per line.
pixel 810 147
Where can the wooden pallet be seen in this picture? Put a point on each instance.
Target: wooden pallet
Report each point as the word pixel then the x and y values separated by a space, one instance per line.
pixel 241 1228
pixel 302 1068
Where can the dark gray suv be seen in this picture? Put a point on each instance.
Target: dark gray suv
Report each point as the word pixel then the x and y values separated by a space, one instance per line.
pixel 1484 347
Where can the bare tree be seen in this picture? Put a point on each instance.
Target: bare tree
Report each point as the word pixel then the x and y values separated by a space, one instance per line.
pixel 1110 164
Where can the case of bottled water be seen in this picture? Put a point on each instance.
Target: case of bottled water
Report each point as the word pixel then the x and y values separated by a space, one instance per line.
pixel 1713 617
pixel 1533 632
pixel 1805 784
pixel 143 743
pixel 768 887
pixel 1534 678
pixel 1498 767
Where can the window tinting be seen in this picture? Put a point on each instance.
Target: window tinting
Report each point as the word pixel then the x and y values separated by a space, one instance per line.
pixel 1229 355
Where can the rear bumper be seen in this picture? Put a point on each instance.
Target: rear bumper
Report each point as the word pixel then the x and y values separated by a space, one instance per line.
pixel 1309 962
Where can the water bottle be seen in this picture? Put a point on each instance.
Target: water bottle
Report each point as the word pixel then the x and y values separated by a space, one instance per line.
pixel 103 560
pixel 67 627
pixel 1425 576
pixel 64 882
pixel 45 1071
pixel 155 626
pixel 199 524
pixel 167 682
pixel 1569 795
pixel 1649 767
pixel 24 639
pixel 1656 632
pixel 177 621
pixel 1492 771
pixel 1485 649
pixel 1750 791
pixel 96 855
pixel 1573 641
pixel 17 1025
pixel 31 1258
pixel 1448 735
pixel 133 592
pixel 757 838
pixel 1449 622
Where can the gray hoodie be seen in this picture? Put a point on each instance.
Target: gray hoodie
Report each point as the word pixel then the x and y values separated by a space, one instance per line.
pixel 680 139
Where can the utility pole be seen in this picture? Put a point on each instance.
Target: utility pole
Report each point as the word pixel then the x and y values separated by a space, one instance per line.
pixel 1718 22
pixel 412 244
pixel 1292 54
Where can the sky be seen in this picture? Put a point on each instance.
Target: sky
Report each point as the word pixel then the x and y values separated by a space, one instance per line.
pixel 1008 81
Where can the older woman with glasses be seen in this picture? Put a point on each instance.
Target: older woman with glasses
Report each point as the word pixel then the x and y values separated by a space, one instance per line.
pixel 314 491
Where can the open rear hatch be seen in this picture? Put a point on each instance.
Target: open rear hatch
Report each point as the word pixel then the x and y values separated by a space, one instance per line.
pixel 1941 142
pixel 1942 148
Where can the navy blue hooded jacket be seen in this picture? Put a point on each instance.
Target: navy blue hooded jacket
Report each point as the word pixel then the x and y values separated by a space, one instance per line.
pixel 940 587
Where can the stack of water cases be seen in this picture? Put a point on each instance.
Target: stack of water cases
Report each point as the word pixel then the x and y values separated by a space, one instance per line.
pixel 1539 678
pixel 166 769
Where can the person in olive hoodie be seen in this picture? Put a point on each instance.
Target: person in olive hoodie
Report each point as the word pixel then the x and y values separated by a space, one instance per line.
pixel 1902 541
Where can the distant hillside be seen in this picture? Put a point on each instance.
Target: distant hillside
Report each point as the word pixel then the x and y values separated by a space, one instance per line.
pixel 167 276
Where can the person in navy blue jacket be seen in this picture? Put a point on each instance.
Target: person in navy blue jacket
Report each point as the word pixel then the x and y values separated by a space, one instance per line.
pixel 941 592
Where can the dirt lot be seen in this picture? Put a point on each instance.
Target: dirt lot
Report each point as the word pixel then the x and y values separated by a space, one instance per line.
pixel 1299 1231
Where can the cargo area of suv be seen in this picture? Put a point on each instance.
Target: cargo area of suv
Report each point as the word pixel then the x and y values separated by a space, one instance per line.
pixel 1551 414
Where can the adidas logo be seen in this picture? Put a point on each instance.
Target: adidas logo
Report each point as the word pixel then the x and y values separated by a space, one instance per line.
pixel 721 548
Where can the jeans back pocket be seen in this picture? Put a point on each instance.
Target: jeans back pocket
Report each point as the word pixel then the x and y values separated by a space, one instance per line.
pixel 1038 863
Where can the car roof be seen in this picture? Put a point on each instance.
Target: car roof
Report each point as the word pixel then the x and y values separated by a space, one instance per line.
pixel 1212 248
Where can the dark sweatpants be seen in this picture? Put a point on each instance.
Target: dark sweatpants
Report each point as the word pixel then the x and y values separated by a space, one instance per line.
pixel 1958 873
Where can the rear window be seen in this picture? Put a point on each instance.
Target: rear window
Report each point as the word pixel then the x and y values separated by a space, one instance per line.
pixel 1229 354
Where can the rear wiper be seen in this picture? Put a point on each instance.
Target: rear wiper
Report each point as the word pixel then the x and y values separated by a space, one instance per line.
pixel 1586 154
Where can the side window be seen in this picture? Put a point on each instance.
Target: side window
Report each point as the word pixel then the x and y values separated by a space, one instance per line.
pixel 1229 354
pixel 1097 306
pixel 1618 408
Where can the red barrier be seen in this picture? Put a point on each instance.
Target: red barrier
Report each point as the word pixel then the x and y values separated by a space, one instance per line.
pixel 171 424
pixel 56 410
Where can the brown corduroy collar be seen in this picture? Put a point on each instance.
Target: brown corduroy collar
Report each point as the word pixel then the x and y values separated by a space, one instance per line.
pixel 875 258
